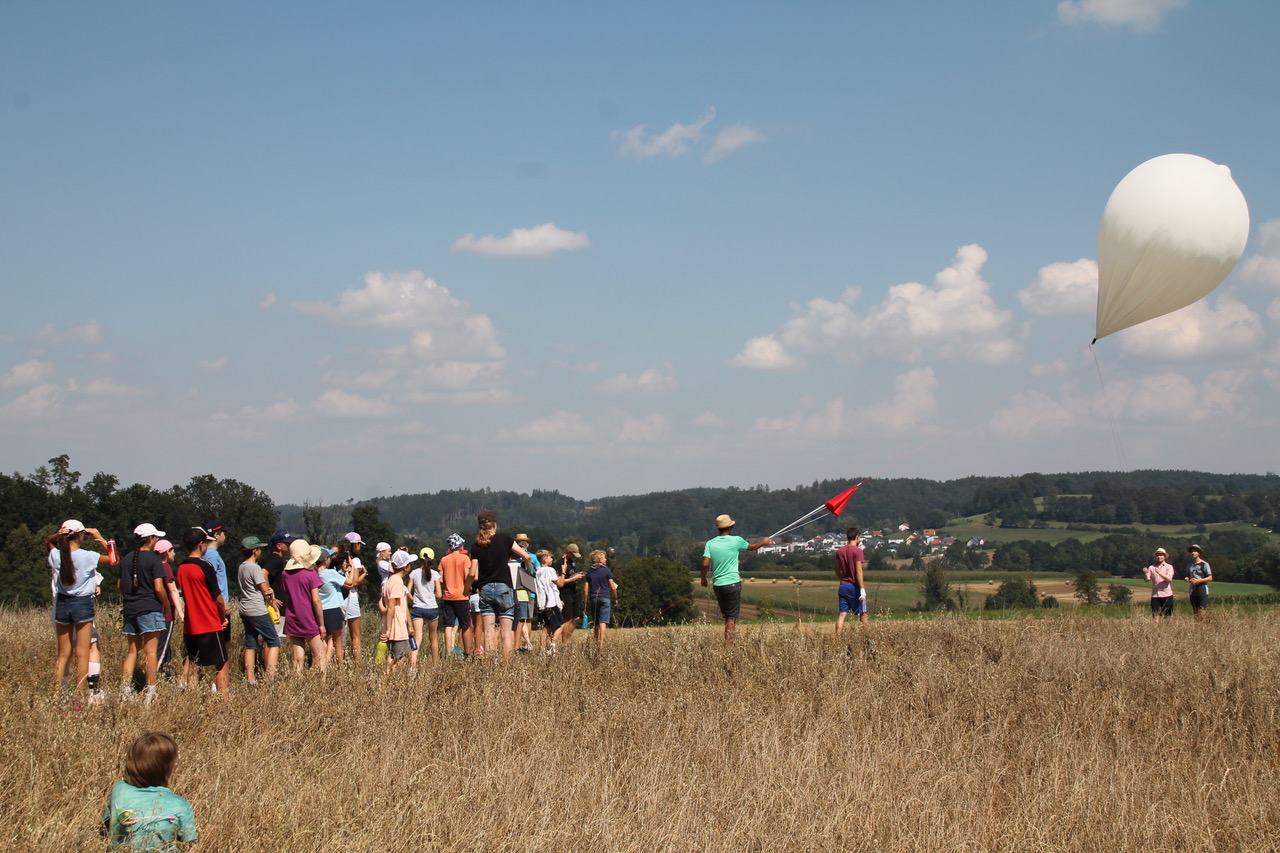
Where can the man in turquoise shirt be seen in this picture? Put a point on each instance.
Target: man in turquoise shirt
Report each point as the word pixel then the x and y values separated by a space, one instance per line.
pixel 721 556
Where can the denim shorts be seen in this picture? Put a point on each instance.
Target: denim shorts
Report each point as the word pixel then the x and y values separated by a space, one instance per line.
pixel 259 630
pixel 498 599
pixel 73 609
pixel 522 611
pixel 144 623
pixel 430 614
pixel 601 610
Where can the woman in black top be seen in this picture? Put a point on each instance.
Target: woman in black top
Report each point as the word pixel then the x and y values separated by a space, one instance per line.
pixel 489 555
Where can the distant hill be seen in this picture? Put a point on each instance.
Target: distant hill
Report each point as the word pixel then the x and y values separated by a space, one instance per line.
pixel 1133 497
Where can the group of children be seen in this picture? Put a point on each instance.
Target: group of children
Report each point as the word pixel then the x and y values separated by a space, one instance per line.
pixel 486 593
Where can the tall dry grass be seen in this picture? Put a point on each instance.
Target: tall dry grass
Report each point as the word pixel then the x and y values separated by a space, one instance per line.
pixel 950 734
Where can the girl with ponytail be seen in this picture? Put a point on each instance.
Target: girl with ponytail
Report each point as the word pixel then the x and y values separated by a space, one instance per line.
pixel 75 584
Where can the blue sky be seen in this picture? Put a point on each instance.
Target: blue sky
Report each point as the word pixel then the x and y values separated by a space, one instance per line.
pixel 341 250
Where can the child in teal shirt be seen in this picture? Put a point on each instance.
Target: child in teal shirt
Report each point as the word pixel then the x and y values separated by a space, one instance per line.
pixel 142 814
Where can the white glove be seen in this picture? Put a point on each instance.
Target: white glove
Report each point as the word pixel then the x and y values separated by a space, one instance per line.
pixel 862 594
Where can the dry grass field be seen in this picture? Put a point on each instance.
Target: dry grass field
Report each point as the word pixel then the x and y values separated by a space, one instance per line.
pixel 947 734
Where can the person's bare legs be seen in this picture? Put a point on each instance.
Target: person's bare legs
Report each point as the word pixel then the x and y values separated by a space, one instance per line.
pixel 130 663
pixel 353 628
pixel 730 626
pixel 508 638
pixel 840 621
pixel 151 656
pixel 433 627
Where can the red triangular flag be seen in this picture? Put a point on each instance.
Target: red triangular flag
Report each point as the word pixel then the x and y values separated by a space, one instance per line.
pixel 836 505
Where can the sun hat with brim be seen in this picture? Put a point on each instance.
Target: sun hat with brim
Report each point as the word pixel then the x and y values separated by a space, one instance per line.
pixel 456 542
pixel 1195 548
pixel 723 522
pixel 146 531
pixel 302 554
pixel 249 543
pixel 1159 551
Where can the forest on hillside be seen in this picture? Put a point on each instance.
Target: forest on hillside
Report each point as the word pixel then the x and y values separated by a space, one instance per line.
pixel 671 525
pixel 1128 498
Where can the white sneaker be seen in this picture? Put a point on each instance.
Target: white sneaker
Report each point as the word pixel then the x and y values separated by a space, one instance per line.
pixel 97 697
pixel 126 694
pixel 149 695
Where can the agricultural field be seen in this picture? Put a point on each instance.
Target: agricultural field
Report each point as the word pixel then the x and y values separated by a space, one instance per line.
pixel 895 593
pixel 975 525
pixel 947 733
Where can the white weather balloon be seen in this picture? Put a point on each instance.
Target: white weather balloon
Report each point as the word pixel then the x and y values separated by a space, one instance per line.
pixel 1171 232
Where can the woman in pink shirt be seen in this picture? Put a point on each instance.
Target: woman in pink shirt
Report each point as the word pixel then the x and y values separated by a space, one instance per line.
pixel 1160 574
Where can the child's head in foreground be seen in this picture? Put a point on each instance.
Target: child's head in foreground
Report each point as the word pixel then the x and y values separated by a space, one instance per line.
pixel 598 557
pixel 150 760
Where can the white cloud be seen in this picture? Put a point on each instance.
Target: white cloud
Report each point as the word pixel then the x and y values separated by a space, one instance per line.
pixel 39 403
pixel 1197 331
pixel 533 242
pixel 1264 267
pixel 914 402
pixel 394 301
pixel 558 428
pixel 282 410
pixel 268 301
pixel 215 365
pixel 766 353
pixel 1063 288
pixel 956 317
pixel 1059 366
pixel 27 373
pixel 825 423
pixel 1032 414
pixel 1142 15
pixel 730 139
pixel 107 388
pixel 672 142
pixel 1173 398
pixel 708 419
pixel 653 380
pixel 435 349
pixel 338 403
pixel 646 430
pixel 88 332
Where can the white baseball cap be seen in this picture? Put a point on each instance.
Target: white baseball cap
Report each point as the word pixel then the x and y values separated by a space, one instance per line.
pixel 144 531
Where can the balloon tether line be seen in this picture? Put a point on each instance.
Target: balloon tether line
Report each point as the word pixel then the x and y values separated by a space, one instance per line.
pixel 1115 431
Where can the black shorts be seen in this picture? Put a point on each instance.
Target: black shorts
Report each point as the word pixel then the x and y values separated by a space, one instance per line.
pixel 455 614
pixel 569 609
pixel 552 618
pixel 334 620
pixel 1200 598
pixel 206 649
pixel 1162 606
pixel 729 597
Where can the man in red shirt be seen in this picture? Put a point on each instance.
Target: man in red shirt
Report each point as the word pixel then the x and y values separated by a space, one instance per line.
pixel 850 562
pixel 207 612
